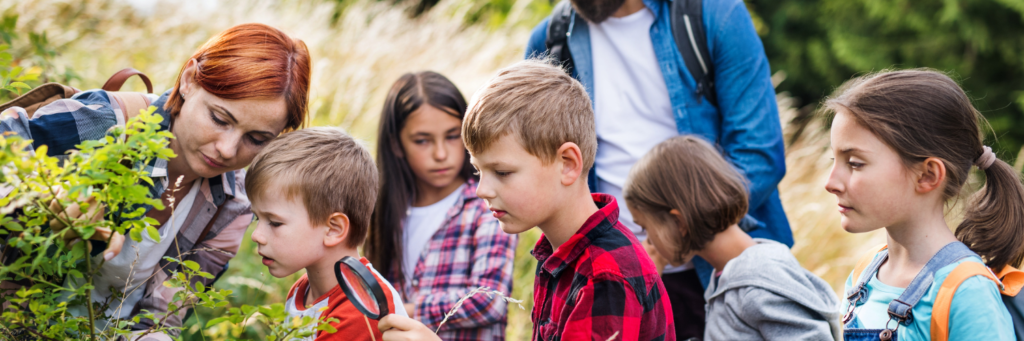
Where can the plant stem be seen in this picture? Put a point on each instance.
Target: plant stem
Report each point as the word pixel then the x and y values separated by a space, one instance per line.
pixel 88 298
pixel 33 331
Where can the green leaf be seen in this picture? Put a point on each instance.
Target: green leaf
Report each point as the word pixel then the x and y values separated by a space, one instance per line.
pixel 136 234
pixel 20 85
pixel 191 265
pixel 216 321
pixel 153 233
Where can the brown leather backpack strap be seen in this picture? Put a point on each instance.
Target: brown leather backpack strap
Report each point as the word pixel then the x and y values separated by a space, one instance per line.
pixel 206 230
pixel 117 80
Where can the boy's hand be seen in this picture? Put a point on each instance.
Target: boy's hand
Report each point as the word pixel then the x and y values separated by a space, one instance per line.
pixel 401 328
pixel 659 262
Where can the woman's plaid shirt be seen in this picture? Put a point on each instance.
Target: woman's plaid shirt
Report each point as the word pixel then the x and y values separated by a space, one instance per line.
pixel 598 284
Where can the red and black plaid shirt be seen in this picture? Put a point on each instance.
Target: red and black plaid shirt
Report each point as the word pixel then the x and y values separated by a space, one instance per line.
pixel 599 283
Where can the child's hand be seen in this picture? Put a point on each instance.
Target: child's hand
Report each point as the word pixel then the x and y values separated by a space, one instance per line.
pixel 659 262
pixel 401 328
pixel 410 308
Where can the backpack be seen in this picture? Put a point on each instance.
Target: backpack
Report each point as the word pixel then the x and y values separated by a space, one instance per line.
pixel 687 28
pixel 1009 280
pixel 129 103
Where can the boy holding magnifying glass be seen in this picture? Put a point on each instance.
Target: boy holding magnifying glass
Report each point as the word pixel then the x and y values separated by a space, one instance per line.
pixel 313 191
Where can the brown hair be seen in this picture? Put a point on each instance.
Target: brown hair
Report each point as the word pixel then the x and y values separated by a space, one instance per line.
pixel 384 247
pixel 540 105
pixel 328 168
pixel 923 113
pixel 250 61
pixel 687 174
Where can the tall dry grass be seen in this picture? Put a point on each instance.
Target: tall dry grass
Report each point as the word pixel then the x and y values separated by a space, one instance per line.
pixel 354 64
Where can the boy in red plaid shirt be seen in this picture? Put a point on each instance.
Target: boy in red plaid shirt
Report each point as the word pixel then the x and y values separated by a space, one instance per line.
pixel 530 134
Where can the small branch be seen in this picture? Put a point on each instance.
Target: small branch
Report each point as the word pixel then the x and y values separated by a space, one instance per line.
pixel 490 293
pixel 39 280
pixel 34 332
pixel 88 298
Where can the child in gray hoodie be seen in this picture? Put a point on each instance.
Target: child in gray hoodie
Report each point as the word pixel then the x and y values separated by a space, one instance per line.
pixel 690 200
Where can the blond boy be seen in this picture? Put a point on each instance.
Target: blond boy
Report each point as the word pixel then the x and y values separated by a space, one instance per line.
pixel 530 134
pixel 313 191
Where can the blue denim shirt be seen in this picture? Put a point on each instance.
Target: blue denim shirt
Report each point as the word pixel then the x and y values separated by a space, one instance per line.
pixel 745 124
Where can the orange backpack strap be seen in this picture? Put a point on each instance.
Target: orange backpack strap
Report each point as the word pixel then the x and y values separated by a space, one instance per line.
pixel 1013 280
pixel 944 299
pixel 865 261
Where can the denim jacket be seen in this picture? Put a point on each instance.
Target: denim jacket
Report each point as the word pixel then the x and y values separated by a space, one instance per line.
pixel 746 122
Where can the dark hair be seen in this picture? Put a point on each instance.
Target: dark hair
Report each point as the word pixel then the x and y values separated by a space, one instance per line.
pixel 397 182
pixel 923 113
pixel 688 174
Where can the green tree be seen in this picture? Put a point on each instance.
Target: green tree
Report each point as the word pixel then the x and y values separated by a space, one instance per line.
pixel 819 44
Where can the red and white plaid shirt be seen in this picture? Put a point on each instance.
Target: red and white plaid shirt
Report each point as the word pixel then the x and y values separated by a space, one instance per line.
pixel 469 250
pixel 599 283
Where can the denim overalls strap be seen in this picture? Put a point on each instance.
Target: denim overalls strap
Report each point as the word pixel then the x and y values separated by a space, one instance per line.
pixel 900 308
pixel 859 292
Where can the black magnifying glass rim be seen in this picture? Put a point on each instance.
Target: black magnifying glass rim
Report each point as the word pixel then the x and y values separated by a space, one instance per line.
pixel 369 279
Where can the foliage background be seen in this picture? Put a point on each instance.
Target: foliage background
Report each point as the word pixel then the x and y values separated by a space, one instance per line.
pixel 360 47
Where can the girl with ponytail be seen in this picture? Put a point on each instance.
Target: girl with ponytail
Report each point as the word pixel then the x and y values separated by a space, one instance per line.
pixel 904 144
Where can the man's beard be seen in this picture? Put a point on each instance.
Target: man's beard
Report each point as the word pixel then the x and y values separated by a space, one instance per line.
pixel 596 11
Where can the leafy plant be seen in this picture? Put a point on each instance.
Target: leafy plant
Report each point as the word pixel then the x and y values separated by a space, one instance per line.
pixel 42 193
pixel 47 277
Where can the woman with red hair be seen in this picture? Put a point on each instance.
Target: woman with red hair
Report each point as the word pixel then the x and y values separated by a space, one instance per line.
pixel 241 89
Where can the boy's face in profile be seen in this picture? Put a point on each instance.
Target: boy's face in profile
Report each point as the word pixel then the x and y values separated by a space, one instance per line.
pixel 287 241
pixel 520 189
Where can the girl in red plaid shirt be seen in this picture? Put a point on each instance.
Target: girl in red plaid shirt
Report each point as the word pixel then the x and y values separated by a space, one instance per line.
pixel 430 234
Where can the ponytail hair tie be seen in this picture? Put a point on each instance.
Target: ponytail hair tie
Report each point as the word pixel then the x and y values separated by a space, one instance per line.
pixel 986 159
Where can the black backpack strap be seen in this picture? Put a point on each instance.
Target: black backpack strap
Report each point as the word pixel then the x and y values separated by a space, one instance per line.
pixel 691 40
pixel 557 41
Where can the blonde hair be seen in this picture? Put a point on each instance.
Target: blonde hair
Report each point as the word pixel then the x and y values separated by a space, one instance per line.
pixel 537 103
pixel 687 174
pixel 329 169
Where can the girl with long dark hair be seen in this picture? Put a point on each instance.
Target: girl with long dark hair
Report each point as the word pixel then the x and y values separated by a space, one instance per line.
pixel 430 234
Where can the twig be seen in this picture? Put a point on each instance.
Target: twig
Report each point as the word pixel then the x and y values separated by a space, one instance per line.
pixel 34 332
pixel 613 336
pixel 127 284
pixel 490 294
pixel 370 328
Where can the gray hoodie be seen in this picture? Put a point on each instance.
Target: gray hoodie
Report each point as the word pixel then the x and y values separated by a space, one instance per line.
pixel 764 294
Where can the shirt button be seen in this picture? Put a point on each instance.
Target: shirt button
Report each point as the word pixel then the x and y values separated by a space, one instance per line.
pixel 415 282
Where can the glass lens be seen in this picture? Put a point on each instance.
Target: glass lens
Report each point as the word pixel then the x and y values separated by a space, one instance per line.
pixel 362 294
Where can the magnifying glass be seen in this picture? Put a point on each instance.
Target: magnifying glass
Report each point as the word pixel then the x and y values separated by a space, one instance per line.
pixel 361 287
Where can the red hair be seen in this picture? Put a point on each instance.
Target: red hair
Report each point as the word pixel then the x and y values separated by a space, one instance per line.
pixel 248 61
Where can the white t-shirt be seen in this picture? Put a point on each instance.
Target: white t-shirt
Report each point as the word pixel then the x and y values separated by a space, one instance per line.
pixel 419 227
pixel 633 111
